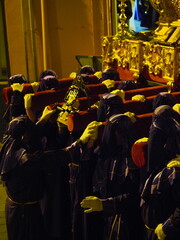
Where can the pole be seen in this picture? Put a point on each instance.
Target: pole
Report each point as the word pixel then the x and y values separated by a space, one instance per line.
pixel 44 34
pixel 32 38
pixel 25 45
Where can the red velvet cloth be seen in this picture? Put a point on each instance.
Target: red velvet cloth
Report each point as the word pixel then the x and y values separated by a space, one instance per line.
pixel 149 76
pixel 138 107
pixel 45 98
pixel 65 82
pixel 78 121
pixel 7 92
pixel 125 74
pixel 86 102
pixel 149 91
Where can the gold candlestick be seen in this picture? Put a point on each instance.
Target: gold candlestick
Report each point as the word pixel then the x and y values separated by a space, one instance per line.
pixel 123 26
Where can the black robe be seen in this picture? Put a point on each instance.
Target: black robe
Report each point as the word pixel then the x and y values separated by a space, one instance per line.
pixel 26 185
pixel 161 203
pixel 116 180
pixel 163 138
pixel 120 192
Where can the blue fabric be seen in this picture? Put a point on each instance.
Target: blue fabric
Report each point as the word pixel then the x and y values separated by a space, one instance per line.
pixel 137 13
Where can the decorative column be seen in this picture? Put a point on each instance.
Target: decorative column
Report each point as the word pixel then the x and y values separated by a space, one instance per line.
pixel 123 26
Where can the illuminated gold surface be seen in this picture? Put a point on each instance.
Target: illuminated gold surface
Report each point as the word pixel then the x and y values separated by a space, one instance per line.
pixel 160 53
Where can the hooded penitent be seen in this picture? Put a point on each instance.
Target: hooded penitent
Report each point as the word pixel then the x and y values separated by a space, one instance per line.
pixel 115 153
pixel 21 135
pixel 110 104
pixel 49 83
pixel 164 98
pixel 18 78
pixel 163 137
pixel 110 74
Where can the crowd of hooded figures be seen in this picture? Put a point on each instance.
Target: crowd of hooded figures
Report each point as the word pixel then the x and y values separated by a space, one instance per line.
pixel 90 186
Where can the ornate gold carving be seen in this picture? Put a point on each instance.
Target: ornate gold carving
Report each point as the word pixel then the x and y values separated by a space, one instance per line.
pixel 106 50
pixel 127 53
pixel 120 52
pixel 135 55
pixel 168 69
pixel 166 9
pixel 116 48
pixel 122 26
pixel 161 55
pixel 123 31
pixel 171 63
pixel 161 60
pixel 152 57
pixel 176 4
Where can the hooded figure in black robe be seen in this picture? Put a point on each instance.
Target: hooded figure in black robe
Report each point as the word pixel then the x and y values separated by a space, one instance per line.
pixel 162 135
pixel 24 168
pixel 18 78
pixel 164 98
pixel 127 85
pixel 116 180
pixel 111 74
pixel 109 105
pixel 48 80
pixel 47 72
pixel 84 72
pixel 16 106
pixel 161 203
pixel 161 193
pixel 56 204
pixel 23 179
pixel 48 83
